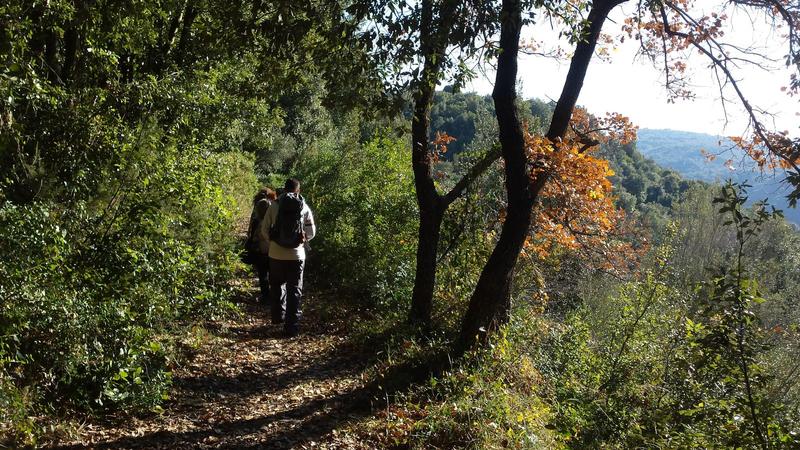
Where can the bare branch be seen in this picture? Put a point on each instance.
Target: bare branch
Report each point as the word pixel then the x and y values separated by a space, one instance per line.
pixel 720 62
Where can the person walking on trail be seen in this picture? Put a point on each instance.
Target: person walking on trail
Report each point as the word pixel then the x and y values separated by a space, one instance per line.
pixel 257 244
pixel 289 225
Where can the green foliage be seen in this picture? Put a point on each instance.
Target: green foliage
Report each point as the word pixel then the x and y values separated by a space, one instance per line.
pixel 657 361
pixel 722 385
pixel 129 137
pixel 642 187
pixel 466 245
pixel 124 234
pixel 690 370
pixel 16 411
pixel 363 198
pixel 89 291
pixel 493 399
pixel 459 115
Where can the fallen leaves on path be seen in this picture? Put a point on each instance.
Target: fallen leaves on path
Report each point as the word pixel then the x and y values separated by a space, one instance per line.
pixel 248 387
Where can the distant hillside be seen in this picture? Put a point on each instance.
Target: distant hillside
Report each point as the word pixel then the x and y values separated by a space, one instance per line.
pixel 653 172
pixel 681 151
pixel 458 115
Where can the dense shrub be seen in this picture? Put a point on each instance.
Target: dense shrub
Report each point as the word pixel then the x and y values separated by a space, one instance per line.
pixel 649 362
pixel 89 291
pixel 364 203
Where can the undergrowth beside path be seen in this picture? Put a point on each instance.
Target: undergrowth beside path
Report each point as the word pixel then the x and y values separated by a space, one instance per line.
pixel 248 387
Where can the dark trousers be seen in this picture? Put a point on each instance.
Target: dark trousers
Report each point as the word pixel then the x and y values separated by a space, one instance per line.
pixel 262 267
pixel 289 273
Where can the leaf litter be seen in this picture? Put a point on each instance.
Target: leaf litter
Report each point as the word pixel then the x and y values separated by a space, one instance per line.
pixel 249 387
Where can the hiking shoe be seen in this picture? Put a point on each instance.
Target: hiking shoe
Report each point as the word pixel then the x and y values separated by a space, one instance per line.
pixel 290 333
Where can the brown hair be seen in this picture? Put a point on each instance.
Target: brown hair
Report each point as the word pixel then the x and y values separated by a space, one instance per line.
pixel 264 192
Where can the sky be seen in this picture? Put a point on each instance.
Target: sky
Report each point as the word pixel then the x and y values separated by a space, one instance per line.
pixel 634 87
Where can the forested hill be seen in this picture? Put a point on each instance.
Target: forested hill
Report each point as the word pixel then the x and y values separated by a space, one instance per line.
pixel 654 170
pixel 681 151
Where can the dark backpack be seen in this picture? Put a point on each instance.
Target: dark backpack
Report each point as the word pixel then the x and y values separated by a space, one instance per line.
pixel 287 231
pixel 252 251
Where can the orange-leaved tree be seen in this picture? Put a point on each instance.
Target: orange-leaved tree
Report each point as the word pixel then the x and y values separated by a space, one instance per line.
pixel 669 31
pixel 423 44
pixel 576 206
pixel 490 301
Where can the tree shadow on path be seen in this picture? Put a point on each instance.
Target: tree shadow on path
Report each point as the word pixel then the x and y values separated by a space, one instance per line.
pixel 303 424
pixel 258 390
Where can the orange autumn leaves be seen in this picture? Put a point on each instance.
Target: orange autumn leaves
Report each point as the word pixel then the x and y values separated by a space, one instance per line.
pixel 576 200
pixel 440 143
pixel 770 150
pixel 576 207
pixel 669 31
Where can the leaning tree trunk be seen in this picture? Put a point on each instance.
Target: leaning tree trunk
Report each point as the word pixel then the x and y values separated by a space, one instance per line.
pixel 491 301
pixel 494 285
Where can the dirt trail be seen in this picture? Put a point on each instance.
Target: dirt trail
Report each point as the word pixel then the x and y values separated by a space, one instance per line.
pixel 248 387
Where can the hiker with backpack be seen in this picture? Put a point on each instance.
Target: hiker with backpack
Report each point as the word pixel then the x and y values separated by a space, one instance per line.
pixel 289 225
pixel 257 244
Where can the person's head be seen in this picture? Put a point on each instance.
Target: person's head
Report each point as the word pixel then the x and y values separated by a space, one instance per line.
pixel 263 193
pixel 292 185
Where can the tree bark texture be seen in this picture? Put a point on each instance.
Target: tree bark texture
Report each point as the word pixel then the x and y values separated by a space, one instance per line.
pixel 435 36
pixel 433 40
pixel 186 31
pixel 493 288
pixel 51 57
pixel 72 42
pixel 491 301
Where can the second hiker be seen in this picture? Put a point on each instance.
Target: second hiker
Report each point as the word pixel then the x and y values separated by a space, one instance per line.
pixel 289 225
pixel 257 244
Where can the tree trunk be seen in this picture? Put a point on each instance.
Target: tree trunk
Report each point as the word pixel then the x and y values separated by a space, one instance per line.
pixel 428 199
pixel 72 42
pixel 491 301
pixel 186 31
pixel 51 57
pixel 432 205
pixel 430 225
pixel 255 10
pixel 493 289
pixel 71 38
pixel 170 35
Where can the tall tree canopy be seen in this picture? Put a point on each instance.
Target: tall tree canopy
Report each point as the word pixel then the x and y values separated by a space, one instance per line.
pixel 80 61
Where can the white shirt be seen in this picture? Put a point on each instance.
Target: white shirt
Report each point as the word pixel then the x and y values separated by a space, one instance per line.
pixel 282 253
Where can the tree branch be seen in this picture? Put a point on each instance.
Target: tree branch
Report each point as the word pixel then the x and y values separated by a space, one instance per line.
pixel 719 62
pixel 474 172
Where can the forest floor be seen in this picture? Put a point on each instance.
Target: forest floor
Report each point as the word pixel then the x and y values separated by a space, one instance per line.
pixel 246 386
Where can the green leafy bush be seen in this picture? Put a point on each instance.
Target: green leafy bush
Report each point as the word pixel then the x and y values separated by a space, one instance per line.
pixel 89 291
pixel 364 204
pixel 648 362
